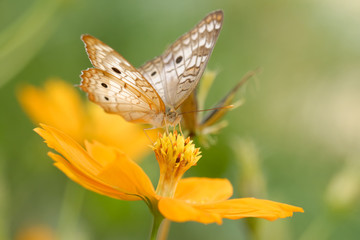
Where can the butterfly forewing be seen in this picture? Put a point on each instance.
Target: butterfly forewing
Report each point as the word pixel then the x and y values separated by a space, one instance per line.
pixel 153 72
pixel 176 73
pixel 105 58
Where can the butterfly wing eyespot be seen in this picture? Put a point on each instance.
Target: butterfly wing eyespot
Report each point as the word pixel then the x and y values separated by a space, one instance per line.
pixel 179 69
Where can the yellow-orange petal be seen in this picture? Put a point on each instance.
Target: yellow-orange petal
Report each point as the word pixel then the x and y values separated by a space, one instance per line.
pixel 120 171
pixel 203 190
pixel 250 207
pixel 68 148
pixel 122 134
pixel 179 211
pixel 101 169
pixel 58 105
pixel 89 182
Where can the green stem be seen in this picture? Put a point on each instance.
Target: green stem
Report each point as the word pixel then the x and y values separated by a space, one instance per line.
pixel 4 202
pixel 252 227
pixel 320 229
pixel 164 230
pixel 70 211
pixel 158 218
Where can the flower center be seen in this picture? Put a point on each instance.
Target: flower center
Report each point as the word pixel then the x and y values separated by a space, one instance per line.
pixel 175 156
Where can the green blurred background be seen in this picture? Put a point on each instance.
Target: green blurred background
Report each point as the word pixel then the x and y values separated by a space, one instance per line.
pixel 300 121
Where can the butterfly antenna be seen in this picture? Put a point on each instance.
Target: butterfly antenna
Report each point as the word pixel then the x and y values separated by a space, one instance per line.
pixel 209 109
pixel 246 77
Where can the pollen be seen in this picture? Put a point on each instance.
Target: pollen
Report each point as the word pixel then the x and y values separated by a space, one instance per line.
pixel 175 155
pixel 174 149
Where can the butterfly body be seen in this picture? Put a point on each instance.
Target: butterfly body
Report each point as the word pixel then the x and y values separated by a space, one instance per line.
pixel 152 93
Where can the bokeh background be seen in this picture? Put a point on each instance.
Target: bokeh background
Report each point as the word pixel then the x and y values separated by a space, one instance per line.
pixel 295 139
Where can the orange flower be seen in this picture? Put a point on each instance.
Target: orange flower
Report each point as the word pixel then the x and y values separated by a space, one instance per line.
pixel 108 171
pixel 36 232
pixel 59 104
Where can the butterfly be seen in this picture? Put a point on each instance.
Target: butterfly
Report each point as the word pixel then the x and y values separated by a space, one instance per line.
pixel 153 93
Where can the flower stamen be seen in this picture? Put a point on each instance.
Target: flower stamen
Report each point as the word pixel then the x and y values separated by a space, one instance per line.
pixel 175 155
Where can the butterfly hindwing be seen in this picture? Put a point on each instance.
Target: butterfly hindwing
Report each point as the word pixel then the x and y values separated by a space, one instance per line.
pixel 116 96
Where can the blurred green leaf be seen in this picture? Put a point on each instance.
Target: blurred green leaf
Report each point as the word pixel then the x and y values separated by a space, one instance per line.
pixel 21 40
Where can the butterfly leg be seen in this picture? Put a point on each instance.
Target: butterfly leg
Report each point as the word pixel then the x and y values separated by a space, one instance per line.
pixel 180 129
pixel 166 127
pixel 147 135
